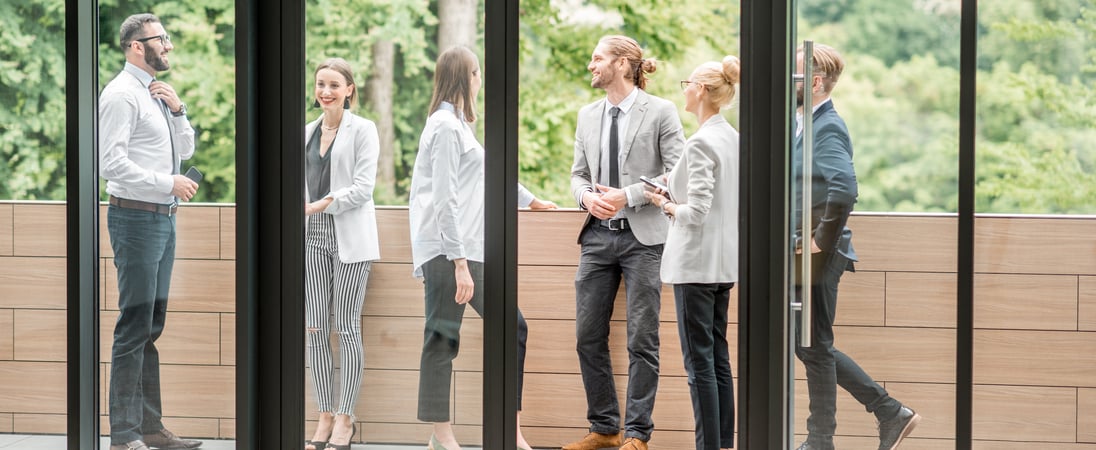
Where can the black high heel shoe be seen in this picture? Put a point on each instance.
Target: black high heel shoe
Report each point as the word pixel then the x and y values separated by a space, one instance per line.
pixel 353 431
pixel 318 445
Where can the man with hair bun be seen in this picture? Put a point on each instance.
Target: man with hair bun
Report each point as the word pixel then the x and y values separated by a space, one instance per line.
pixel 628 134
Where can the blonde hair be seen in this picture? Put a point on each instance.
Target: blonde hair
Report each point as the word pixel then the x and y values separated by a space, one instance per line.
pixel 343 68
pixel 719 79
pixel 453 81
pixel 828 64
pixel 625 47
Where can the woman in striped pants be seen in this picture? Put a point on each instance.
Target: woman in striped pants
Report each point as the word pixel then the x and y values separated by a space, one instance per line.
pixel 341 151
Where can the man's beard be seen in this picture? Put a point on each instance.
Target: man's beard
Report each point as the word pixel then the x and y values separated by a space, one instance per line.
pixel 154 60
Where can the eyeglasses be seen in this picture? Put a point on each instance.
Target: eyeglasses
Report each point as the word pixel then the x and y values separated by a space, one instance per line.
pixel 164 39
pixel 685 84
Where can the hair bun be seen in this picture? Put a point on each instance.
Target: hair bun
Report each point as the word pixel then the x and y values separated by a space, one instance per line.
pixel 649 65
pixel 731 69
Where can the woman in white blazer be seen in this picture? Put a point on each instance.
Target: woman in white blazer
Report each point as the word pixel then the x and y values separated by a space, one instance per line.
pixel 341 151
pixel 700 258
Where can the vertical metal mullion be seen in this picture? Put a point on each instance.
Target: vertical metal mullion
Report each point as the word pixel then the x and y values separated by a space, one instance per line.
pixel 270 224
pixel 82 215
pixel 764 133
pixel 500 265
pixel 964 326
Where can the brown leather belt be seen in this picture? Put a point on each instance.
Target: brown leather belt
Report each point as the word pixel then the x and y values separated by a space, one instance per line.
pixel 167 210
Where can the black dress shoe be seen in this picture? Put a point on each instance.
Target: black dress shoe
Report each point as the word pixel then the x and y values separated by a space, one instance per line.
pixel 808 446
pixel 165 439
pixel 891 432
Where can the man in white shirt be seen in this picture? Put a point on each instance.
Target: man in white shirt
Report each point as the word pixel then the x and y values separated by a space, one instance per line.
pixel 144 134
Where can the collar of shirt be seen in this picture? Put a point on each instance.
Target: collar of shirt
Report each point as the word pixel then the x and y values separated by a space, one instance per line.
pixel 625 105
pixel 139 74
pixel 799 116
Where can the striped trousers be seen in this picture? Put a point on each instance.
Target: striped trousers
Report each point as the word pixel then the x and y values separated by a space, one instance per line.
pixel 334 293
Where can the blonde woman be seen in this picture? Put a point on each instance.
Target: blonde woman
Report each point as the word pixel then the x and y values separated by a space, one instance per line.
pixel 700 259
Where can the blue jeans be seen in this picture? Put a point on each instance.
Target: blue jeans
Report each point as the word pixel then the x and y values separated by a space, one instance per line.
pixel 702 325
pixel 144 253
pixel 826 366
pixel 608 255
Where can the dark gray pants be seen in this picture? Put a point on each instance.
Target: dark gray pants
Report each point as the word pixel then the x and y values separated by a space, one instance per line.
pixel 702 326
pixel 828 367
pixel 607 256
pixel 441 337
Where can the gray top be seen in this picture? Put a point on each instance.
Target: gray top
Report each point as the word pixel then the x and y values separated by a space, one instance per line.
pixel 317 168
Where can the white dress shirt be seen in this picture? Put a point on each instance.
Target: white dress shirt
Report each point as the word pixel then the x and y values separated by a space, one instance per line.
pixel 135 141
pixel 447 197
pixel 622 130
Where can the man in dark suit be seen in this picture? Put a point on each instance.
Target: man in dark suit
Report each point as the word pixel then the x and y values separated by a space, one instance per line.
pixel 628 134
pixel 833 193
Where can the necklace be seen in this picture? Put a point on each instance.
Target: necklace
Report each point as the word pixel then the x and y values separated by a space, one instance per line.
pixel 327 128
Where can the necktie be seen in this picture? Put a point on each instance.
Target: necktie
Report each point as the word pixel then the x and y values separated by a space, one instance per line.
pixel 614 150
pixel 171 135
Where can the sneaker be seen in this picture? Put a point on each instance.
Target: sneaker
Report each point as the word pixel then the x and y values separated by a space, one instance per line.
pixel 892 431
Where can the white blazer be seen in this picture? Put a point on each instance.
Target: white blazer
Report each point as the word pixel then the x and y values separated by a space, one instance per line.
pixel 353 176
pixel 702 244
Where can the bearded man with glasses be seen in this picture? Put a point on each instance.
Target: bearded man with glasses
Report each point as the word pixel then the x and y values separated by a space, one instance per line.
pixel 144 134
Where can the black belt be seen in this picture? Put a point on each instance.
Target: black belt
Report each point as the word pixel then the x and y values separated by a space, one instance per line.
pixel 167 210
pixel 614 224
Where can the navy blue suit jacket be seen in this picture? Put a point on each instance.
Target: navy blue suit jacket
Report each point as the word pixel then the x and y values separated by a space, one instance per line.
pixel 833 182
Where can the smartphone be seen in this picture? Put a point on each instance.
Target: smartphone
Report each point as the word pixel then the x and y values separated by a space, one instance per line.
pixel 194 174
pixel 655 184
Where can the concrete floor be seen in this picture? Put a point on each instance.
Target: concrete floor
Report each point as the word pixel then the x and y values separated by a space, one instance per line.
pixel 54 442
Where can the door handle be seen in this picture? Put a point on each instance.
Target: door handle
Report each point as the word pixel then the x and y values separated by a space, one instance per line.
pixel 805 216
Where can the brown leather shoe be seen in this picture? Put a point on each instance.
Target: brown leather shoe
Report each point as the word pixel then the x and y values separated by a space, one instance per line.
pixel 167 440
pixel 634 444
pixel 132 445
pixel 595 441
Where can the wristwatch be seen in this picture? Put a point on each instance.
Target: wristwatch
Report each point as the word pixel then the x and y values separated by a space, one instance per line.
pixel 181 111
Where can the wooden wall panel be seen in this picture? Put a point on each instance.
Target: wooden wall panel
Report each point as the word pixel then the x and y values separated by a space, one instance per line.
pixel 228 232
pixel 548 292
pixel 33 387
pixel 40 423
pixel 1087 304
pixel 1021 413
pixel 918 299
pixel 1086 415
pixel 39 229
pixel 38 333
pixel 1025 302
pixel 392 224
pixel 1044 245
pixel 921 355
pixel 198 232
pixel 396 342
pixel 7 234
pixel 935 402
pixel 196 286
pixel 1004 445
pixel 1034 358
pixel 389 396
pixel 392 291
pixel 37 283
pixel 898 243
pixel 6 425
pixel 228 339
pixel 862 299
pixel 193 390
pixel 7 336
pixel 549 238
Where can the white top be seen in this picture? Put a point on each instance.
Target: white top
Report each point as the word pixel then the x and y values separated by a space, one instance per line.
pixel 135 140
pixel 447 195
pixel 702 244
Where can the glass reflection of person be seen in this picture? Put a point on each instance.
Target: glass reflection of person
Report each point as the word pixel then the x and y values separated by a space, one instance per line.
pixel 833 192
pixel 619 138
pixel 447 226
pixel 144 134
pixel 341 151
pixel 700 259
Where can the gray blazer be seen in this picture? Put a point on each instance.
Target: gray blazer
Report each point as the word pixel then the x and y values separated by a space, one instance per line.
pixel 651 147
pixel 702 246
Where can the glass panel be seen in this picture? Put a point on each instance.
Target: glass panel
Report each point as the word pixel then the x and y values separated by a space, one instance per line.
pixel 1034 279
pixel 402 224
pixel 32 225
pixel 895 100
pixel 168 308
pixel 566 75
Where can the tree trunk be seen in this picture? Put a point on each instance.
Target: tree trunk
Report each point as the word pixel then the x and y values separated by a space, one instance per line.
pixel 380 98
pixel 457 20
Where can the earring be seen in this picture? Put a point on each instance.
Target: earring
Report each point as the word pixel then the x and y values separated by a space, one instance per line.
pixel 346 103
pixel 316 103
